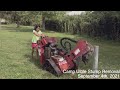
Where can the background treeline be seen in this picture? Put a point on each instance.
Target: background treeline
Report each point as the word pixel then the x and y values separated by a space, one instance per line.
pixel 105 24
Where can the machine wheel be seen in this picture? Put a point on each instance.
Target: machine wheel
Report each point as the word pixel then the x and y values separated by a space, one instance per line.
pixel 51 67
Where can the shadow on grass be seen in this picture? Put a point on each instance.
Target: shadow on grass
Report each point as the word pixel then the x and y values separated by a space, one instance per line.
pixel 21 30
pixel 8 28
pixel 24 30
pixel 35 61
pixel 15 29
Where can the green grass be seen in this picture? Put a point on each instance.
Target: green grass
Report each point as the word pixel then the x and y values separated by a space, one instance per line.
pixel 15 54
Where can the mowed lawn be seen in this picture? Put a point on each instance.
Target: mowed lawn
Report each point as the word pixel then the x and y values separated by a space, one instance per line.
pixel 15 54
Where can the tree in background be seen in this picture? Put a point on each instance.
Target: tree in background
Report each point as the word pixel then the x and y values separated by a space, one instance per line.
pixel 29 17
pixel 105 24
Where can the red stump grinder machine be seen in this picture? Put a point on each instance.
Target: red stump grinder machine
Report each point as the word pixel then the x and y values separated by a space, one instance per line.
pixel 57 60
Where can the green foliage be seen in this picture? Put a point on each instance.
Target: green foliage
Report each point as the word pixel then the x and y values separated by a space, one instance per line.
pixel 28 17
pixel 103 24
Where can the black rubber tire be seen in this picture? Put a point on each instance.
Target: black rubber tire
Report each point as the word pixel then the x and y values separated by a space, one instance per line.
pixel 48 67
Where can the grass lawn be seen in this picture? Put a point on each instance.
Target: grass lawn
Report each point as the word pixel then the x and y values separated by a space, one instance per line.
pixel 15 54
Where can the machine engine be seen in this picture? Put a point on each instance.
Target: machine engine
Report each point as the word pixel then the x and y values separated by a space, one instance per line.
pixel 57 60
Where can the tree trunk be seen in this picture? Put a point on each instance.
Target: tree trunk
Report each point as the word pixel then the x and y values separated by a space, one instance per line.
pixel 43 22
pixel 117 31
pixel 0 23
pixel 68 27
pixel 65 27
pixel 18 24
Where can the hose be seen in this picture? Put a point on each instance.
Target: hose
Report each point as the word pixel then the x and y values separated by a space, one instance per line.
pixel 64 44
